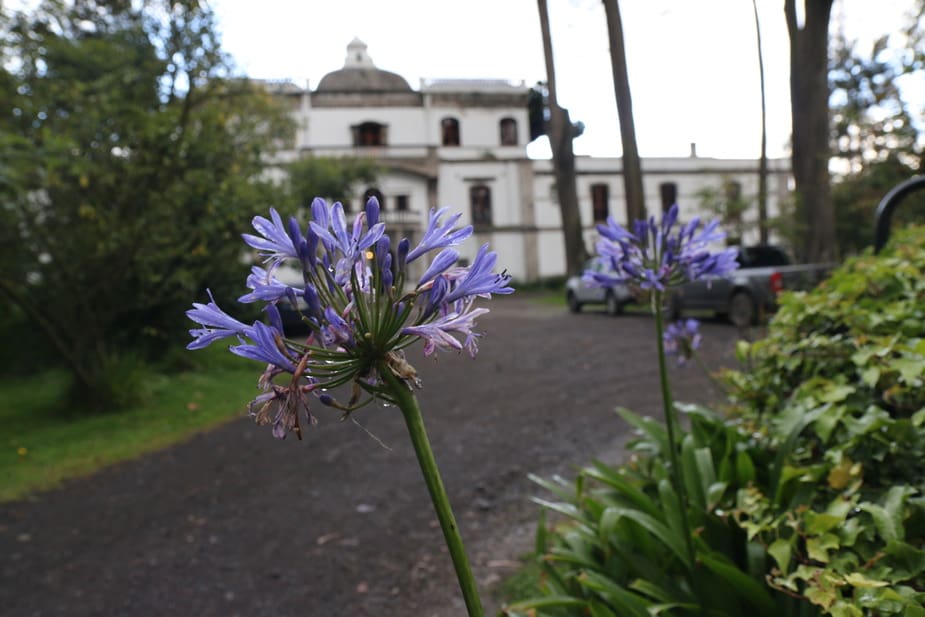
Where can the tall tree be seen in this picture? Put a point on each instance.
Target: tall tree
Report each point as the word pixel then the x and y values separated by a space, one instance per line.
pixel 871 120
pixel 561 133
pixel 809 108
pixel 129 161
pixel 874 136
pixel 632 169
pixel 763 160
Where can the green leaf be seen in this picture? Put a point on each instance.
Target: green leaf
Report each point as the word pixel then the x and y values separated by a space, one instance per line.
pixel 559 489
pixel 740 583
pixel 907 561
pixel 742 351
pixel 671 507
pixel 884 523
pixel 827 421
pixel 625 601
pixel 835 393
pixel 910 370
pixel 647 426
pixel 781 550
pixel 818 547
pixel 690 474
pixel 600 610
pixel 871 376
pixel 715 494
pixel 816 523
pixel 745 468
pixel 557 601
pixel 625 489
pixel 856 579
pixel 843 609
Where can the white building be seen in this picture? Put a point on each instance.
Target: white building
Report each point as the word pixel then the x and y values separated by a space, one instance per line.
pixel 462 143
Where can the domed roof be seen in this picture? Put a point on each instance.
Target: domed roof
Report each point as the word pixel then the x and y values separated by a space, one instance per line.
pixel 361 75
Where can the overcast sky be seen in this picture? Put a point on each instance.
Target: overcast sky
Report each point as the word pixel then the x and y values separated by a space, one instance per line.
pixel 693 64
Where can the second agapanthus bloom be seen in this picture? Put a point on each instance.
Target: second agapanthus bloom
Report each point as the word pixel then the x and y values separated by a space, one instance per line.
pixel 659 255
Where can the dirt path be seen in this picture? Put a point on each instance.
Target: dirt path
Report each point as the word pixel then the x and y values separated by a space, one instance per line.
pixel 234 522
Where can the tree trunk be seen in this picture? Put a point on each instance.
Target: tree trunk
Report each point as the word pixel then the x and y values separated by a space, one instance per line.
pixel 763 160
pixel 563 159
pixel 809 105
pixel 632 170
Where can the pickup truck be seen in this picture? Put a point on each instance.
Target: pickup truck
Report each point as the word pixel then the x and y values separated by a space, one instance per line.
pixel 750 294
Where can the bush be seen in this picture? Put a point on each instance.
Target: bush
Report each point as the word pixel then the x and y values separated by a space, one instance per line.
pixel 807 496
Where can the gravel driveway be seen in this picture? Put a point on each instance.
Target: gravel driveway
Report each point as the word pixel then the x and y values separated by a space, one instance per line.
pixel 234 522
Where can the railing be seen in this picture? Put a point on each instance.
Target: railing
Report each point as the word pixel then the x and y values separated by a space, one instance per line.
pixel 400 217
pixel 885 209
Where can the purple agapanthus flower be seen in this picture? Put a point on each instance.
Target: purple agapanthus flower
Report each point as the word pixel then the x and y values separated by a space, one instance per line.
pixel 440 235
pixel 266 347
pixel 266 287
pixel 438 333
pixel 362 304
pixel 217 324
pixel 274 242
pixel 682 338
pixel 656 256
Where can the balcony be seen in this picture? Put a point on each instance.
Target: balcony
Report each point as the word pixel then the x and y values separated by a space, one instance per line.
pixel 402 218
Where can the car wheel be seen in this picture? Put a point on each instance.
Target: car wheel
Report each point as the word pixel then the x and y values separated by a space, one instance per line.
pixel 614 307
pixel 573 304
pixel 742 311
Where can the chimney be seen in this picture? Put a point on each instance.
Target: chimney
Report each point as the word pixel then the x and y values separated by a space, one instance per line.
pixel 693 150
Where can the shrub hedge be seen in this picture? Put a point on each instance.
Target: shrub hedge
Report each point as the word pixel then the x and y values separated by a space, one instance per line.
pixel 807 492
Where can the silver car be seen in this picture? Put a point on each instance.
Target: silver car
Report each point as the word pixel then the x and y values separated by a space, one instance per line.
pixel 578 293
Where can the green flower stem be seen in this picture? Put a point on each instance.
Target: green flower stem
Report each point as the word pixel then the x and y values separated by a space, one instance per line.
pixel 671 421
pixel 410 409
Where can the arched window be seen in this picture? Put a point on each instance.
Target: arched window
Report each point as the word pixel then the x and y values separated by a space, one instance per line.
pixel 600 202
pixel 449 128
pixel 480 205
pixel 369 134
pixel 668 191
pixel 733 190
pixel 508 132
pixel 373 192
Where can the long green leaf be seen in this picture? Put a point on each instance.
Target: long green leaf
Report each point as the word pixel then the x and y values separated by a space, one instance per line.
pixel 625 488
pixel 562 491
pixel 648 426
pixel 671 507
pixel 544 602
pixel 669 539
pixel 740 583
pixel 690 474
pixel 627 603
pixel 776 486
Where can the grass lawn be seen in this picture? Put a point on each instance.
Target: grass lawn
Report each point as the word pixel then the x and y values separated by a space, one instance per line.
pixel 44 445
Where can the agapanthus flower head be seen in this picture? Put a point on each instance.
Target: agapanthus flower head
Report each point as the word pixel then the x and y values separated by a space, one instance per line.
pixel 657 255
pixel 682 338
pixel 364 307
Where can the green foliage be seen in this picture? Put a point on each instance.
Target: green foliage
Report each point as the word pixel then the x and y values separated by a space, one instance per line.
pixel 329 177
pixel 839 383
pixel 875 139
pixel 43 444
pixel 129 162
pixel 727 203
pixel 808 497
pixel 620 549
pixel 856 197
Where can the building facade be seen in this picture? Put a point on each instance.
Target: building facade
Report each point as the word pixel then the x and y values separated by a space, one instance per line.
pixel 463 144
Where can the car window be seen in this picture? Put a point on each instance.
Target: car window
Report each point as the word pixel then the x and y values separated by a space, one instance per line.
pixel 762 257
